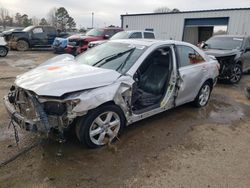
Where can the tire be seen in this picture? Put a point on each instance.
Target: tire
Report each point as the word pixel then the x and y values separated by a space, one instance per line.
pixel 3 51
pixel 22 45
pixel 102 133
pixel 236 74
pixel 203 96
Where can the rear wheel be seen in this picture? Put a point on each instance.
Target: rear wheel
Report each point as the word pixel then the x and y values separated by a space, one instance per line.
pixel 236 74
pixel 22 45
pixel 3 51
pixel 100 126
pixel 204 95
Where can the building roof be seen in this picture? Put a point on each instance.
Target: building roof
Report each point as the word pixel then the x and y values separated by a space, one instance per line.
pixel 182 12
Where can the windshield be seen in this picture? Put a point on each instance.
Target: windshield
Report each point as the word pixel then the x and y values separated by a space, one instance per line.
pixel 120 35
pixel 28 28
pixel 224 43
pixel 112 55
pixel 95 32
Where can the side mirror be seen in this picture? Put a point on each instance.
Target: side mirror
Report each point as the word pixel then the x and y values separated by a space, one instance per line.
pixel 106 37
pixel 247 49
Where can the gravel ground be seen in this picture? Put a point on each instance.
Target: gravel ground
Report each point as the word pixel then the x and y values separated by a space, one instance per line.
pixel 183 148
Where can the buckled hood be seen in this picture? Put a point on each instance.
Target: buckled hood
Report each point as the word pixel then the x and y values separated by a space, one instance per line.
pixel 62 74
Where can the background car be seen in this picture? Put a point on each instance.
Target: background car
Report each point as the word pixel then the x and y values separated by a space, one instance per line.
pixel 77 44
pixel 110 86
pixel 126 35
pixel 33 37
pixel 233 54
pixel 3 47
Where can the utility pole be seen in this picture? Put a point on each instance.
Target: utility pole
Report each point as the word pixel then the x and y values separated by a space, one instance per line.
pixel 92 19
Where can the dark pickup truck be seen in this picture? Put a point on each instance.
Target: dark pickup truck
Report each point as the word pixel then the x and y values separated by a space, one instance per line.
pixel 32 37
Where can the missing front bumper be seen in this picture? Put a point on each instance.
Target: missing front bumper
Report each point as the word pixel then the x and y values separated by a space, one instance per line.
pixel 24 123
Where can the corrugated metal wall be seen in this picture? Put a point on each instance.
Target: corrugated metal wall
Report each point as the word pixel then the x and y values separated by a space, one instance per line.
pixel 171 26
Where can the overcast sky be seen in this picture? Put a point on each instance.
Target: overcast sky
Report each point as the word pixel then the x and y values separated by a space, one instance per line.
pixel 108 11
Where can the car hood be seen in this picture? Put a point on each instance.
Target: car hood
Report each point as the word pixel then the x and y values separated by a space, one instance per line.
pixel 62 75
pixel 221 53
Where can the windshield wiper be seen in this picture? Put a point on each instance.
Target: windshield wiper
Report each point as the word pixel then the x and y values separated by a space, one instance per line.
pixel 127 58
pixel 111 57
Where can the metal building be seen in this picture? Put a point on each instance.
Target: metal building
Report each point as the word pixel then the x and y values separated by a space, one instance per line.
pixel 190 26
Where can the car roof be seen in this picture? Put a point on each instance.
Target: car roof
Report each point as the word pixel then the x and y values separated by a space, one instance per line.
pixel 150 42
pixel 230 36
pixel 133 31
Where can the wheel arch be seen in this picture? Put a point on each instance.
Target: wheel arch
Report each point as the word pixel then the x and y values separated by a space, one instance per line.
pixel 25 39
pixel 239 62
pixel 210 81
pixel 111 102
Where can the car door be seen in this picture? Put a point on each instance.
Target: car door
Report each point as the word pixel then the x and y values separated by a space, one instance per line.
pixel 38 36
pixel 246 55
pixel 192 72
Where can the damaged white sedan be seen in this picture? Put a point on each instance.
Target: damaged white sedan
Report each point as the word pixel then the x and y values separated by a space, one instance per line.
pixel 111 86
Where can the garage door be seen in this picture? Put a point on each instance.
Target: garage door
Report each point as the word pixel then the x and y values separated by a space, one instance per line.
pixel 206 21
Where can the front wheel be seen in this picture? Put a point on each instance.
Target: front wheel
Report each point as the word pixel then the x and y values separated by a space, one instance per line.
pixel 236 74
pixel 100 126
pixel 203 96
pixel 3 51
pixel 22 45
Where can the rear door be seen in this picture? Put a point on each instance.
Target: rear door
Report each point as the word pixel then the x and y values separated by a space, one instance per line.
pixel 193 72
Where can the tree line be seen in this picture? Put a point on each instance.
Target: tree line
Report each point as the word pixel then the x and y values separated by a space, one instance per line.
pixel 57 17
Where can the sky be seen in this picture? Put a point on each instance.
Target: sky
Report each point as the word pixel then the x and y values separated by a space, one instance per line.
pixel 108 12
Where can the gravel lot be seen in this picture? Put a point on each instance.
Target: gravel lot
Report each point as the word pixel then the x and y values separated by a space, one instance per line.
pixel 182 148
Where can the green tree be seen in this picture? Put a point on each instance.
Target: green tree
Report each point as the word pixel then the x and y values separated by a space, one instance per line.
pixel 71 23
pixel 43 21
pixel 18 19
pixel 26 21
pixel 62 17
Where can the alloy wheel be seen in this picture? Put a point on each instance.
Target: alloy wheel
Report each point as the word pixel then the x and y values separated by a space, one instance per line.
pixel 204 95
pixel 236 74
pixel 104 128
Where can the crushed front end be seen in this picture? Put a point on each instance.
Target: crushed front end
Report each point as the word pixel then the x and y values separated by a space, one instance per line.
pixel 35 114
pixel 226 66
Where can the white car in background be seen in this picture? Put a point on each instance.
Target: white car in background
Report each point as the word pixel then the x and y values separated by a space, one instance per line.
pixel 111 86
pixel 4 49
pixel 136 34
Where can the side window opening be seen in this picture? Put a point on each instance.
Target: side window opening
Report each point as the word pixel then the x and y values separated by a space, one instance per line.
pixel 148 35
pixel 188 56
pixel 109 32
pixel 136 35
pixel 37 30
